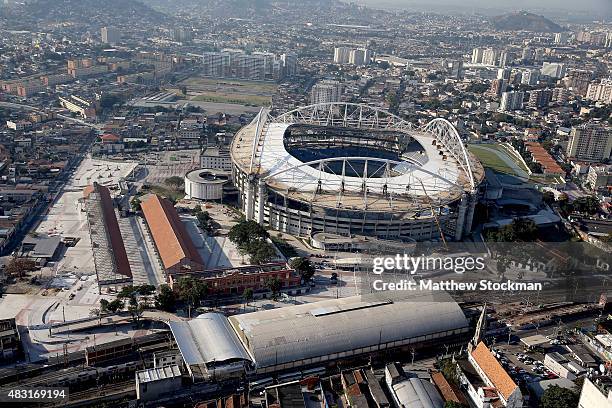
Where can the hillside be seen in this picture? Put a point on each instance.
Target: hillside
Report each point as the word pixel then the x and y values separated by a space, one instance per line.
pixel 524 21
pixel 235 8
pixel 92 12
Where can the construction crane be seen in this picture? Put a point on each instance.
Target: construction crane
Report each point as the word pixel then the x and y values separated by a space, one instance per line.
pixel 430 201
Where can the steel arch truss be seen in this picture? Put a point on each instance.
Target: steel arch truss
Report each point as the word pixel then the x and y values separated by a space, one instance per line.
pixel 447 135
pixel 380 180
pixel 346 115
pixel 354 115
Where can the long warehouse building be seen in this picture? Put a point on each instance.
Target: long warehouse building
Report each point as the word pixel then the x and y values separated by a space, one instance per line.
pixel 110 257
pixel 317 334
pixel 174 245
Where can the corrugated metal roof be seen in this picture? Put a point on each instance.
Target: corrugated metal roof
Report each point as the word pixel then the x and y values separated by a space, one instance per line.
pixel 112 226
pixel 305 331
pixel 417 393
pixel 159 373
pixel 169 233
pixel 208 338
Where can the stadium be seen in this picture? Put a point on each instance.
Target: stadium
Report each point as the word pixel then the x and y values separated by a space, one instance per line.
pixel 352 169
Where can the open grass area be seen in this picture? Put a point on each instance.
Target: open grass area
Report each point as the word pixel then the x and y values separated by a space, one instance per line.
pixel 489 156
pixel 170 193
pixel 254 87
pixel 235 98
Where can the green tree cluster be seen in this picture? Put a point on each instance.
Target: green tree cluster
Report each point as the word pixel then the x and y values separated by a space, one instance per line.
pixel 303 267
pixel 136 296
pixel 251 239
pixel 191 290
pixel 520 230
pixel 165 299
pixel 113 306
pixel 557 397
pixel 205 220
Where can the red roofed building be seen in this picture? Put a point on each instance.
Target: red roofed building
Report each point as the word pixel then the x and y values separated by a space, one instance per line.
pixel 541 156
pixel 449 391
pixel 495 376
pixel 109 138
pixel 174 245
pixel 108 144
pixel 233 281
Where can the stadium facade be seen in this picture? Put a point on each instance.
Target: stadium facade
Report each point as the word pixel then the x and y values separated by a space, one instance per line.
pixel 351 169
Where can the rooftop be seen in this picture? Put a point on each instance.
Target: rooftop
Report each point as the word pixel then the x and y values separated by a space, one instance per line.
pixel 333 326
pixel 171 238
pixel 157 374
pixel 494 370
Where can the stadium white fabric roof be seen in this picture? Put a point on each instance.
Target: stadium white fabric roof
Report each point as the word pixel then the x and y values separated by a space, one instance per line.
pixel 437 175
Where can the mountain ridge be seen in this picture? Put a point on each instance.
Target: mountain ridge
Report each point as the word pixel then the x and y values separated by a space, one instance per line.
pixel 525 21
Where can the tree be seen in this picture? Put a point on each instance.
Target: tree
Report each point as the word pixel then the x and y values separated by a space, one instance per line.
pixel 246 231
pixel 557 397
pixel 247 295
pixel 136 204
pixel 588 205
pixel 135 308
pixel 384 65
pixel 274 284
pixel 19 266
pixel 449 370
pixel 115 305
pixel 205 220
pixel 175 182
pixel 127 292
pixel 146 290
pixel 453 404
pixel 578 384
pixel 303 267
pixel 191 290
pixel 520 230
pixel 260 252
pixel 548 197
pixel 104 305
pixel 165 299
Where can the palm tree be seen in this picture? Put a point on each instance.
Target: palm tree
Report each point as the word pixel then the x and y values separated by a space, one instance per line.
pixel 247 295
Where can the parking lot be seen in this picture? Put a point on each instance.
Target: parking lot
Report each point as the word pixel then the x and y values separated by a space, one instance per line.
pixel 162 165
pixel 527 366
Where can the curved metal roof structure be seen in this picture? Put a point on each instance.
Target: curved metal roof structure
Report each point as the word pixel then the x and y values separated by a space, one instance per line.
pixel 444 173
pixel 347 326
pixel 209 338
pixel 417 393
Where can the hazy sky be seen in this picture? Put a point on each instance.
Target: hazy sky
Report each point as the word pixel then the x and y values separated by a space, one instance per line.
pixel 595 8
